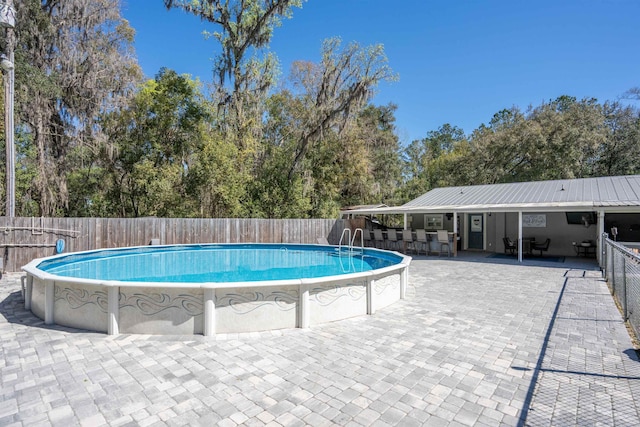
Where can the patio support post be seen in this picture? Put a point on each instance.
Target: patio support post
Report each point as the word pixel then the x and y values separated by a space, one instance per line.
pixel 455 234
pixel 519 236
pixel 600 233
pixel 455 222
pixel 406 224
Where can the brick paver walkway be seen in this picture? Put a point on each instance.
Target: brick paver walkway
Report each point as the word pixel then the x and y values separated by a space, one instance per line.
pixel 475 344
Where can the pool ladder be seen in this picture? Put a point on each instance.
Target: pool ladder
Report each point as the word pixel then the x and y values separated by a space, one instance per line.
pixel 351 240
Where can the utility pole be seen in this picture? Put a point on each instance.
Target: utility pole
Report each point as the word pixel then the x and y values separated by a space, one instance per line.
pixel 7 20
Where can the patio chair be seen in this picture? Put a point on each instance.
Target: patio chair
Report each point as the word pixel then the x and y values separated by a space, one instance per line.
pixel 542 247
pixel 509 245
pixel 378 238
pixel 422 241
pixel 443 240
pixel 407 240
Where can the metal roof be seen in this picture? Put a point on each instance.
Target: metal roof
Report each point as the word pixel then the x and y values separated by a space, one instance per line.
pixel 610 193
pixel 379 205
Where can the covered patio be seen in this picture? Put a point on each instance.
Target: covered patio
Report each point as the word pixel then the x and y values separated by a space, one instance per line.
pixel 572 214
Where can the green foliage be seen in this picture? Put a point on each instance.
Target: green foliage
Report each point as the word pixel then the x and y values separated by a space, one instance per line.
pixel 242 76
pixel 332 94
pixel 156 139
pixel 73 62
pixel 273 194
pixel 560 139
pixel 214 179
pixel 432 161
pixel 619 154
pixel 376 149
pixel 25 173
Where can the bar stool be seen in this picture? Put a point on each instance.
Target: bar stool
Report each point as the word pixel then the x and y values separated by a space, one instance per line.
pixel 421 240
pixel 407 239
pixel 392 239
pixel 443 239
pixel 378 238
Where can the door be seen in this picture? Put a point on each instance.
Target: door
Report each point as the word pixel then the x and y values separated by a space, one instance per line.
pixel 476 231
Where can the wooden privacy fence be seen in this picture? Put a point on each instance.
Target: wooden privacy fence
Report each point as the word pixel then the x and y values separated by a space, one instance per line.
pixel 23 239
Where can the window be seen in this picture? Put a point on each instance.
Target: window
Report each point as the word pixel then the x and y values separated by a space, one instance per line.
pixel 433 222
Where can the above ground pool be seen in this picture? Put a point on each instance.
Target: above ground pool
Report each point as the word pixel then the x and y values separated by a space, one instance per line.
pixel 212 289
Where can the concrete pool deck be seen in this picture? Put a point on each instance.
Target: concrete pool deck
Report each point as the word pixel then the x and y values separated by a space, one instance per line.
pixel 478 341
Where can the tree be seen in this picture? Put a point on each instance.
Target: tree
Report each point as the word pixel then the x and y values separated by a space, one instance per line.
pixel 74 62
pixel 633 93
pixel 157 139
pixel 619 154
pixel 501 151
pixel 332 93
pixel 571 133
pixel 242 77
pixel 317 150
pixel 426 160
pixel 371 158
pixel 272 193
pixel 214 182
pixel 556 140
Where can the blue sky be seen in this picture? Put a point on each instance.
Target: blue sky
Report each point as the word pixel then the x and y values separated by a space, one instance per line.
pixel 459 61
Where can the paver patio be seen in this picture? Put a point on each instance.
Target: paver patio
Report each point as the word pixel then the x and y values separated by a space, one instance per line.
pixel 476 342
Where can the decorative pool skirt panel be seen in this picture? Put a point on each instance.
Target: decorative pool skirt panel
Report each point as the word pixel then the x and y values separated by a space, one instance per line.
pixel 386 291
pixel 177 311
pixel 80 306
pixel 256 309
pixel 336 301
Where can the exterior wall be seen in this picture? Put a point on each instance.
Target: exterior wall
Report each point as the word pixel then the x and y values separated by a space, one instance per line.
pixel 447 224
pixel 417 221
pixel 490 236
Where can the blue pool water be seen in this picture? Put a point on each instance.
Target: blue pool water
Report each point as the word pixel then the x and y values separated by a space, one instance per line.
pixel 216 263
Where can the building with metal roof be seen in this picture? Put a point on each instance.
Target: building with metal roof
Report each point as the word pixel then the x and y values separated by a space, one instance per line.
pixel 568 211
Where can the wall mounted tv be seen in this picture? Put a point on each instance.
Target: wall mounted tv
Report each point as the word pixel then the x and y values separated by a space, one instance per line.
pixel 580 217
